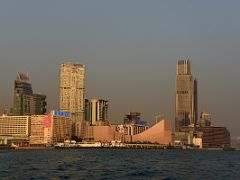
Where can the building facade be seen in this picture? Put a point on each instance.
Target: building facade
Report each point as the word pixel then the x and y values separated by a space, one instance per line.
pixel 50 129
pixel 14 129
pixel 159 133
pixel 36 129
pixel 215 137
pixel 24 101
pixel 72 91
pixel 62 127
pixel 96 111
pixel 186 97
pixel 41 132
pixel 133 123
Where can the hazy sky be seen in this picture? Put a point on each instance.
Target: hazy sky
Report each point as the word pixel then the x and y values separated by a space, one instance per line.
pixel 130 49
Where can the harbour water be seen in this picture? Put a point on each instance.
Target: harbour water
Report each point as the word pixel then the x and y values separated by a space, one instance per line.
pixel 94 163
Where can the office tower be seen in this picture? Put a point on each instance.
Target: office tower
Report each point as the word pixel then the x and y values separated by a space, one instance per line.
pixel 24 101
pixel 72 90
pixel 96 111
pixel 186 97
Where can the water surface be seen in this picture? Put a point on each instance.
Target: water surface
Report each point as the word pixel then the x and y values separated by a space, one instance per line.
pixel 119 164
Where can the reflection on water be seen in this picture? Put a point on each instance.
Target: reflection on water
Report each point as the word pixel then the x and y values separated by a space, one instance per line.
pixel 118 164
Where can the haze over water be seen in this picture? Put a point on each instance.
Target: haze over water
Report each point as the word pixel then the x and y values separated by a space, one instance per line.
pixel 130 49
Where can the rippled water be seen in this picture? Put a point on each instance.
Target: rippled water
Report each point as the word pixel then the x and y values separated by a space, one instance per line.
pixel 118 164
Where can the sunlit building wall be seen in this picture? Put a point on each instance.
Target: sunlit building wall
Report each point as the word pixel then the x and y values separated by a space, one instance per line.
pixel 41 130
pixel 14 126
pixel 160 133
pixel 14 129
pixel 72 91
pixel 49 129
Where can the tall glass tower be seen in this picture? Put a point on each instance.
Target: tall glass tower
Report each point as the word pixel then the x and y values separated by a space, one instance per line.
pixel 186 97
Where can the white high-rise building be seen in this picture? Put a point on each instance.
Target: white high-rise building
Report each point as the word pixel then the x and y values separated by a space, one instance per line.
pixel 97 111
pixel 72 90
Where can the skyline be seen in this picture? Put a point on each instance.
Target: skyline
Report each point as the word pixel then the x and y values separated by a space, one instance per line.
pixel 130 57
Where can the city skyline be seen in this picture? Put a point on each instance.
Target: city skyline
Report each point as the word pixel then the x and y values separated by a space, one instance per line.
pixel 130 57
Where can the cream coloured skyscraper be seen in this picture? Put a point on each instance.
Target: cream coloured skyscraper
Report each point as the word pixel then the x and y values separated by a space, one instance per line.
pixel 72 89
pixel 186 96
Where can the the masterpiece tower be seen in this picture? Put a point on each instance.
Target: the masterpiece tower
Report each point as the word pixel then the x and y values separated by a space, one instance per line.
pixel 186 97
pixel 72 89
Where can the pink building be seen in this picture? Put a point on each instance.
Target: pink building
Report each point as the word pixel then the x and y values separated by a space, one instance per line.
pixel 159 133
pixel 103 133
pixel 49 129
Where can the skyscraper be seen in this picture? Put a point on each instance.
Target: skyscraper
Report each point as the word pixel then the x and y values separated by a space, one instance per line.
pixel 72 89
pixel 24 101
pixel 186 97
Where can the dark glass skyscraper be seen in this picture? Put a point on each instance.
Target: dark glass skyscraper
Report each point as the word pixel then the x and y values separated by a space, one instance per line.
pixel 186 97
pixel 24 101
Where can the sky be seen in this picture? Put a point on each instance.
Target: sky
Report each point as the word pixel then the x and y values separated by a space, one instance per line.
pixel 130 49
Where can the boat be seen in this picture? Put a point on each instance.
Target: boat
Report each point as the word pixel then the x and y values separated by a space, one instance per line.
pixel 35 147
pixel 86 144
